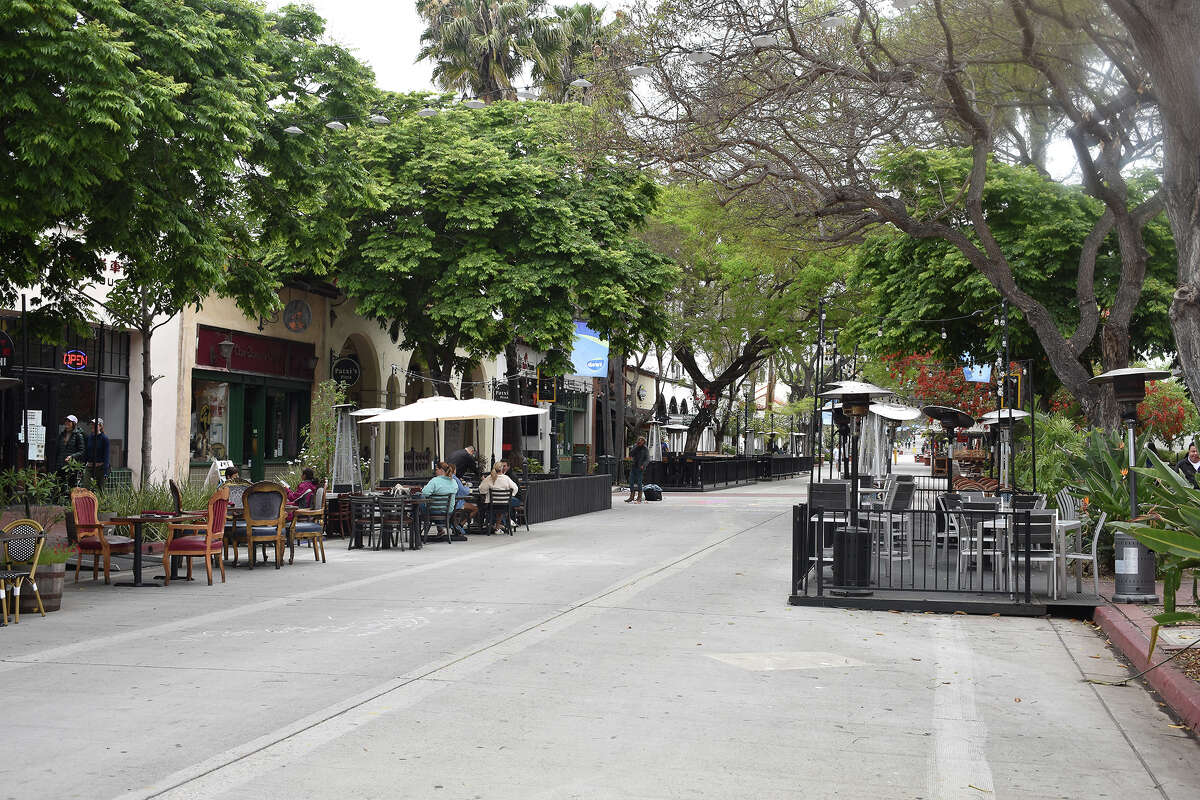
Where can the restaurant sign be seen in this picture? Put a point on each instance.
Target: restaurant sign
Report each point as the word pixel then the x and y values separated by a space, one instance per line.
pixel 262 355
pixel 347 371
pixel 6 350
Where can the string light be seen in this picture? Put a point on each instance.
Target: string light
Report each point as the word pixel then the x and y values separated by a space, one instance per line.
pixel 943 332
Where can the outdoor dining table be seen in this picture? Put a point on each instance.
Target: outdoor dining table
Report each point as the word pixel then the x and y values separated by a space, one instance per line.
pixel 135 522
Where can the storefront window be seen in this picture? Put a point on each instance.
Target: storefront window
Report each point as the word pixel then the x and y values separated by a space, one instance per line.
pixel 283 423
pixel 210 420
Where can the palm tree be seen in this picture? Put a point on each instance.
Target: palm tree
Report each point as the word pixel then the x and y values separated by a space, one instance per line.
pixel 481 46
pixel 588 47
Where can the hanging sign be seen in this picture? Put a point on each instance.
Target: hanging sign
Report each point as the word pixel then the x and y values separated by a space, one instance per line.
pixel 297 316
pixel 347 371
pixel 6 350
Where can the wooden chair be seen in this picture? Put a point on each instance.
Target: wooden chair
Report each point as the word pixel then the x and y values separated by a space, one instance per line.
pixel 92 539
pixel 20 545
pixel 309 524
pixel 206 540
pixel 264 515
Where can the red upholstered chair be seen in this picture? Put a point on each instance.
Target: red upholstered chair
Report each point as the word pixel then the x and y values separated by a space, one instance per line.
pixel 93 540
pixel 200 540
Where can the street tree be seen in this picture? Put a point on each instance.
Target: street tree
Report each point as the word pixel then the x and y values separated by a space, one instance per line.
pixel 208 194
pixel 920 288
pixel 490 227
pixel 798 104
pixel 1165 33
pixel 745 292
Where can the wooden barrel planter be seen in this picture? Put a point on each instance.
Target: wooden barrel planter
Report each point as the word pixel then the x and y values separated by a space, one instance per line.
pixel 50 584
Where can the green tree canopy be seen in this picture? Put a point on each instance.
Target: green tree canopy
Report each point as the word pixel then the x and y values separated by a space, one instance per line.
pixel 1042 226
pixel 491 227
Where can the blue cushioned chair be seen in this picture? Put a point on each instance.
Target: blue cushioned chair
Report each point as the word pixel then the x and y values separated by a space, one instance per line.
pixel 263 519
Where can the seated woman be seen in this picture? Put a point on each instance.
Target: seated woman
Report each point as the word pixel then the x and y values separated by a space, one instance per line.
pixel 442 483
pixel 304 494
pixel 496 479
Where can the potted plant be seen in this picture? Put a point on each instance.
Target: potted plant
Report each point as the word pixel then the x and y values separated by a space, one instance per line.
pixel 51 571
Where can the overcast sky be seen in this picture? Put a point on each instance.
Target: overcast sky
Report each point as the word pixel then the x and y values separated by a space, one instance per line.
pixel 383 33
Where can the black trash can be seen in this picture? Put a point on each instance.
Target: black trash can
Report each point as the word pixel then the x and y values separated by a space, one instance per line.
pixel 851 561
pixel 579 464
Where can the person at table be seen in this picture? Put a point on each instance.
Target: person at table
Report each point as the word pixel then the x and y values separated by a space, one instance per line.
pixel 466 511
pixel 232 475
pixel 96 453
pixel 497 480
pixel 306 491
pixel 516 500
pixel 1189 465
pixel 442 483
pixel 462 460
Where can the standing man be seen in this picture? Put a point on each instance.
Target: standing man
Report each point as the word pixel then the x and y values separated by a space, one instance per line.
pixel 463 461
pixel 70 450
pixel 96 455
pixel 640 457
pixel 1189 465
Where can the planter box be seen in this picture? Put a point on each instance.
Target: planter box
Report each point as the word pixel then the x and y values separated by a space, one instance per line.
pixel 50 586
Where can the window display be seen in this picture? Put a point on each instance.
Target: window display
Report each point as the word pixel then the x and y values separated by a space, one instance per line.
pixel 210 420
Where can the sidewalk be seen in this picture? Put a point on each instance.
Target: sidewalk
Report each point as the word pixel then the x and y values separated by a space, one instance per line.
pixel 643 652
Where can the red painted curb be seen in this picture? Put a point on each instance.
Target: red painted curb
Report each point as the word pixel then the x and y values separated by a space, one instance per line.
pixel 1128 628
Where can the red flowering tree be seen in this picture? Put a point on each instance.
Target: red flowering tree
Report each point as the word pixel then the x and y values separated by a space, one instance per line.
pixel 1167 413
pixel 928 382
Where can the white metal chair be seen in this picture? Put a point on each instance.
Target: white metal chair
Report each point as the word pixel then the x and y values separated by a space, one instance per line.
pixel 1078 554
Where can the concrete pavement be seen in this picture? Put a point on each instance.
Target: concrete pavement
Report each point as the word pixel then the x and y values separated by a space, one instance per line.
pixel 646 652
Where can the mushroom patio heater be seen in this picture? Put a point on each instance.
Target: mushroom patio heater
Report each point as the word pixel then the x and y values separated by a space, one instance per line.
pixel 1134 561
pixel 852 543
pixel 951 419
pixel 855 397
pixel 893 414
pixel 1005 421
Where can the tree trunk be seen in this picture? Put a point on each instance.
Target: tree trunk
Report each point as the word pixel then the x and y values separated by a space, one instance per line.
pixel 1165 33
pixel 147 333
pixel 704 415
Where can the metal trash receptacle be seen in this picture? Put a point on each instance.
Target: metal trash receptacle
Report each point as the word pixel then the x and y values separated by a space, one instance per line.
pixel 851 561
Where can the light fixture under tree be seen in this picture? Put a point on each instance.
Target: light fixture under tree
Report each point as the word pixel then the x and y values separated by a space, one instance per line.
pixel 378 119
pixel 582 83
pixel 292 130
pixel 700 56
pixel 334 125
pixel 1135 567
pixel 427 112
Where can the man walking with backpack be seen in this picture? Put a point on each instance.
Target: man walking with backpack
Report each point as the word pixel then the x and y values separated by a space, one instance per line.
pixel 640 456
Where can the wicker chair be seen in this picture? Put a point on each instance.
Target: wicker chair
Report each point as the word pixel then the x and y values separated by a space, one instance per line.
pixel 206 540
pixel 92 539
pixel 20 545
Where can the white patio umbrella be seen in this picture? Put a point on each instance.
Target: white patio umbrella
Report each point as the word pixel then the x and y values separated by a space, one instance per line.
pixel 441 409
pixel 367 412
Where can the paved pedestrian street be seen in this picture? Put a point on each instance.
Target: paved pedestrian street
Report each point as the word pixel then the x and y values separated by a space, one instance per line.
pixel 643 652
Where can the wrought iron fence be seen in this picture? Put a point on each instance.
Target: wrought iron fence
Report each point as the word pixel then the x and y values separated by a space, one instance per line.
pixel 976 549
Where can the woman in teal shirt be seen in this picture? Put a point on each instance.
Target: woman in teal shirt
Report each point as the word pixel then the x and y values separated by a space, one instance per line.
pixel 441 484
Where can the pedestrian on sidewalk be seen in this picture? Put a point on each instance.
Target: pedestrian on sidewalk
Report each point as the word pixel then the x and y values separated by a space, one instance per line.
pixel 640 457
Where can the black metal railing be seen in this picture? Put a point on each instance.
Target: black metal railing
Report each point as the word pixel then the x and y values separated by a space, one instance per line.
pixel 555 498
pixel 979 550
pixel 721 473
pixel 776 467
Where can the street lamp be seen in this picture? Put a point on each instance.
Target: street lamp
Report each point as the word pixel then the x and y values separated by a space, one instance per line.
pixel 746 447
pixel 1134 561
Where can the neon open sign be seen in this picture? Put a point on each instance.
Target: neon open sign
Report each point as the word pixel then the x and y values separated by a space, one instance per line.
pixel 75 359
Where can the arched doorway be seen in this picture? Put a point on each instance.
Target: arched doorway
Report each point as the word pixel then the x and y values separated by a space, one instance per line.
pixel 419 437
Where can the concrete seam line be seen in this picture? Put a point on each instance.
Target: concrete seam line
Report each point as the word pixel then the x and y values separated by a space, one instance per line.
pixel 181 778
pixel 1108 710
pixel 238 611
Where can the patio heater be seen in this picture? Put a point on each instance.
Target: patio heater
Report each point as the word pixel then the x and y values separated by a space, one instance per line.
pixel 1134 561
pixel 1005 421
pixel 951 420
pixel 893 414
pixel 855 397
pixel 852 544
